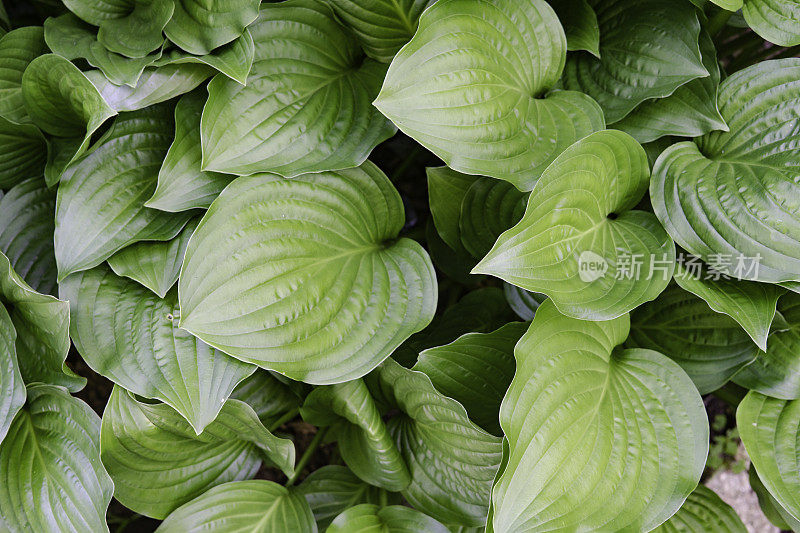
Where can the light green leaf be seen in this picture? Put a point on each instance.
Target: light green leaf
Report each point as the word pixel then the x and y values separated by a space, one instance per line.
pixel 181 183
pixel 472 87
pixel 26 233
pixel 580 241
pixel 306 106
pixel 269 397
pixel 256 505
pixel 367 517
pixel 769 431
pixel 12 389
pixel 690 111
pixel 475 370
pixel 364 441
pixel 332 489
pixel 327 293
pixel 381 26
pixel 158 463
pixel 488 209
pixel 599 438
pixel 452 461
pixel 524 303
pixel 751 304
pixel 580 24
pixel 233 59
pixel 777 21
pixel 648 49
pixel 154 264
pixel 446 191
pixel 710 346
pixel 23 153
pixel 17 49
pixel 730 5
pixel 127 334
pixel 104 191
pixel 51 477
pixel 732 198
pixel 776 514
pixel 702 512
pixel 199 26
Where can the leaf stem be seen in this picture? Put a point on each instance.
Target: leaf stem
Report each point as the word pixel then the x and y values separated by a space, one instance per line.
pixel 282 420
pixel 718 21
pixel 307 454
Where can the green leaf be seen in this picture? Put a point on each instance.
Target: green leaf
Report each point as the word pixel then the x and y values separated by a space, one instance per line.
pixel 61 151
pixel 306 106
pixel 751 304
pixel 199 26
pixel 769 431
pixel 524 303
pixel 776 514
pixel 158 463
pixel 328 292
pixel 488 209
pixel 23 153
pixel 104 191
pixel 154 264
pixel 580 242
pixel 452 461
pixel 256 505
pixel 472 87
pixel 731 198
pixel 703 511
pixel 367 517
pixel 12 389
pixel 17 49
pixel 475 370
pixel 710 346
pixel 233 59
pixel 598 437
pixel 181 183
pixel 690 111
pixel 127 334
pixel 26 233
pixel 580 24
pixel 51 477
pixel 647 50
pixel 777 21
pixel 268 396
pixel 381 26
pixel 446 191
pixel 333 489
pixel 730 5
pixel 364 441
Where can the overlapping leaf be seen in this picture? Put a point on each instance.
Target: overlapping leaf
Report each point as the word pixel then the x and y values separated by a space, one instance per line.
pixel 488 208
pixel 234 59
pixel 12 389
pixel 703 511
pixel 777 21
pixel 524 303
pixel 24 152
pixel 269 397
pixel 199 27
pixel 392 519
pixel 774 511
pixel 446 191
pixel 17 49
pixel 580 24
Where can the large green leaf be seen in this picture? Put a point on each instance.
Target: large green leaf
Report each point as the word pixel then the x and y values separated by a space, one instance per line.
pixel 366 518
pixel 769 431
pixel 580 24
pixel 599 438
pixel 233 59
pixel 648 48
pixel 154 264
pixel 475 370
pixel 381 26
pixel 103 192
pixel 26 229
pixel 256 505
pixel 12 389
pixel 269 397
pixel 774 512
pixel 306 106
pixel 472 87
pixel 127 334
pixel 580 242
pixel 51 477
pixel 364 441
pixel 17 49
pixel 199 26
pixel 23 153
pixel 158 463
pixel 732 198
pixel 181 183
pixel 703 512
pixel 324 291
pixel 777 21
pixel 446 191
pixel 488 209
pixel 452 461
pixel 710 346
pixel 690 111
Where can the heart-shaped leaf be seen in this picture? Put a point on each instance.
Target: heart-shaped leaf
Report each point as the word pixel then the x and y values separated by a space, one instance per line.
pixel 633 65
pixel 367 517
pixel 51 477
pixel 580 242
pixel 158 463
pixel 580 25
pixel 127 334
pixel 324 289
pixel 777 21
pixel 234 59
pixel 24 152
pixel 198 26
pixel 769 431
pixel 472 87
pixel 703 511
pixel 599 438
pixel 104 192
pixel 446 191
pixel 488 209
pixel 17 49
pixel 12 389
pixel 732 198
pixel 303 109
pixel 181 183
pixel 710 346
pixel 256 505
pixel 524 303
